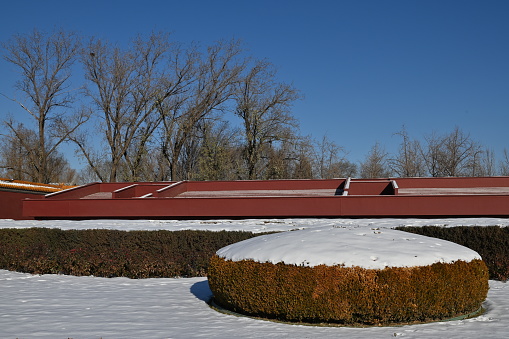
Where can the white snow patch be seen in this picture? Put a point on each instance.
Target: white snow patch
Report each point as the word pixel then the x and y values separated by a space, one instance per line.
pixel 374 248
pixel 251 225
pixel 90 307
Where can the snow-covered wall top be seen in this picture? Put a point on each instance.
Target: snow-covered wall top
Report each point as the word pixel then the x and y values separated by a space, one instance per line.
pixel 371 248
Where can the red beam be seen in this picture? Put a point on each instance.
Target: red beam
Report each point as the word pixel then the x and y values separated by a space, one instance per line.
pixel 336 206
pixel 366 198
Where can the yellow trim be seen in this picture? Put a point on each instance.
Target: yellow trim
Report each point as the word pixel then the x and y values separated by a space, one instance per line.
pixel 32 186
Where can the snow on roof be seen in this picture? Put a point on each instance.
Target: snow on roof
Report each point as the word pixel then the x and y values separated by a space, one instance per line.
pixel 31 186
pixel 371 248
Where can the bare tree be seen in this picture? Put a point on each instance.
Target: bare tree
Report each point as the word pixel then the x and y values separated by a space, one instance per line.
pixel 127 86
pixel 375 164
pixel 207 87
pixel 14 156
pixel 303 158
pixel 277 166
pixel 218 157
pixel 331 162
pixel 343 169
pixel 45 62
pixel 263 105
pixel 504 163
pixel 451 155
pixel 409 161
pixel 432 155
pixel 481 163
pixel 303 168
pixel 18 154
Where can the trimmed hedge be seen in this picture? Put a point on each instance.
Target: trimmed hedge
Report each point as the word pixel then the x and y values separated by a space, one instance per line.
pixel 111 253
pixel 142 254
pixel 349 296
pixel 491 242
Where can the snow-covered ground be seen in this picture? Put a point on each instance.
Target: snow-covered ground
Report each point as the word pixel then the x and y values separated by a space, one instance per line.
pixel 251 225
pixel 58 306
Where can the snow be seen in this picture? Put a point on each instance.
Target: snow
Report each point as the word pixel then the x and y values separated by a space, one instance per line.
pixel 366 247
pixel 58 306
pixel 251 225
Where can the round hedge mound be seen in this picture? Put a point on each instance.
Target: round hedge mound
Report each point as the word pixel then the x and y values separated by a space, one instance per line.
pixel 342 293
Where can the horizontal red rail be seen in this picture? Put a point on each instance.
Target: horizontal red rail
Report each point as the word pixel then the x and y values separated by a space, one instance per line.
pixel 280 198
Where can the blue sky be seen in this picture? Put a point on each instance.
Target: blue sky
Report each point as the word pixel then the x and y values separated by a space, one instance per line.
pixel 365 68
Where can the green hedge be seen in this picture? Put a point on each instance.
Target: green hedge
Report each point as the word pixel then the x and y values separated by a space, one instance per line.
pixel 111 253
pixel 491 242
pixel 349 295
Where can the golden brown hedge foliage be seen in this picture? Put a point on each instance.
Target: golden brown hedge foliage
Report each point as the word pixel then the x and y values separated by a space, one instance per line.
pixel 112 253
pixel 349 295
pixel 491 242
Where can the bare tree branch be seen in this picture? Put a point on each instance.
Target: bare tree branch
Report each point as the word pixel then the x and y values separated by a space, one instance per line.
pixel 44 62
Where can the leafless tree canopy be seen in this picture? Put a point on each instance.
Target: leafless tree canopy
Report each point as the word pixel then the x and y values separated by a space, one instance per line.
pixel 504 164
pixel 263 107
pixel 453 154
pixel 125 87
pixel 159 110
pixel 208 86
pixel 44 62
pixel 408 162
pixel 331 160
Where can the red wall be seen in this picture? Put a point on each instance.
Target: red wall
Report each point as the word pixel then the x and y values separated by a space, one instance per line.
pixel 11 204
pixel 374 198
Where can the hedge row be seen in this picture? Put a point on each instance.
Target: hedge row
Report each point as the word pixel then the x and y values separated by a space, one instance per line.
pixel 491 242
pixel 349 295
pixel 142 254
pixel 111 253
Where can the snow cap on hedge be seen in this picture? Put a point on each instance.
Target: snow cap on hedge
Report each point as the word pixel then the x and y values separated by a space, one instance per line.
pixel 365 247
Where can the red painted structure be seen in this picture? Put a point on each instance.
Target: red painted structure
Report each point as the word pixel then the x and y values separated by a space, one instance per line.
pixel 13 192
pixel 393 197
pixel 11 203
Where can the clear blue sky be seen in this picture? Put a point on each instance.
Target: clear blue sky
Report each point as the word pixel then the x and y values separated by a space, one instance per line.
pixel 365 67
